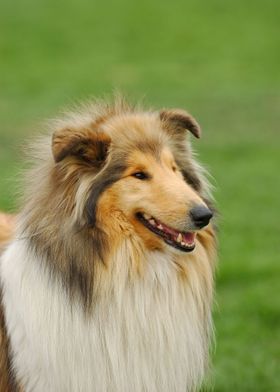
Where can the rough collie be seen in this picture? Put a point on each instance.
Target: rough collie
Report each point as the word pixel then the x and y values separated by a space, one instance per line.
pixel 107 284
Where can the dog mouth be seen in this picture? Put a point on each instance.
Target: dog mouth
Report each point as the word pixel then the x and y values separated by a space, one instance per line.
pixel 184 241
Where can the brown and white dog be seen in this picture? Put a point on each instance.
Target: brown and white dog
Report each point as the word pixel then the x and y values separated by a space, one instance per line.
pixel 107 284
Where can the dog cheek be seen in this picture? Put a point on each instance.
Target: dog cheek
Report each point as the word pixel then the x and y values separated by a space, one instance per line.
pixel 130 196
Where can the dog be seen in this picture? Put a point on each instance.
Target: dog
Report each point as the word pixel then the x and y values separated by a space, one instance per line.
pixel 107 284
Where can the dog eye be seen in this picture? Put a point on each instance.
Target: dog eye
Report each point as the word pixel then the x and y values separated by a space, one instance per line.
pixel 141 175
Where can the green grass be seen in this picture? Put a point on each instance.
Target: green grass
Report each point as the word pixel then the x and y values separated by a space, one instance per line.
pixel 218 59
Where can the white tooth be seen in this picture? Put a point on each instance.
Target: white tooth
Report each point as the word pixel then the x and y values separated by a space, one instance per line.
pixel 160 227
pixel 179 238
pixel 183 244
pixel 152 222
pixel 146 216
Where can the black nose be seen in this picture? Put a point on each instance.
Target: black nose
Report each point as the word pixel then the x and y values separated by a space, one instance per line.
pixel 201 216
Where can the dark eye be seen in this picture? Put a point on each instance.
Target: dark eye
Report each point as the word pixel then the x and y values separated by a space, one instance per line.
pixel 141 175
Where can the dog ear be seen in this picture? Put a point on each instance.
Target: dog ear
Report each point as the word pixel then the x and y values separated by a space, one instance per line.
pixel 88 145
pixel 179 120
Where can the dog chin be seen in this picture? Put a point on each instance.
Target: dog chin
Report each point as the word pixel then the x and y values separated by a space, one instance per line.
pixel 178 251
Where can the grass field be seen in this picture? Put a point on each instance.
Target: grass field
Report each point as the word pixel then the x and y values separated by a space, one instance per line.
pixel 218 59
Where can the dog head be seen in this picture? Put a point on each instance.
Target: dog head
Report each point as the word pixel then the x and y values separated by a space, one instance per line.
pixel 134 172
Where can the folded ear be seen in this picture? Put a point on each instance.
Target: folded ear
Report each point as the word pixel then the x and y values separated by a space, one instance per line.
pixel 88 145
pixel 179 120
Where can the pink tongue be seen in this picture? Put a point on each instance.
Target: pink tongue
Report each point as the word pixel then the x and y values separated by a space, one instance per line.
pixel 188 238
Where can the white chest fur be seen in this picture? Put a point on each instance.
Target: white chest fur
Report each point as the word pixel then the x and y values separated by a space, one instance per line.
pixel 149 334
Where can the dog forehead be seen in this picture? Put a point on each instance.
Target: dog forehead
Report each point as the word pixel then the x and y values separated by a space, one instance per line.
pixel 134 127
pixel 144 158
pixel 137 132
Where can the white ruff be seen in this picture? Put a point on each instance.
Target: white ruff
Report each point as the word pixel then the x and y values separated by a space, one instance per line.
pixel 148 333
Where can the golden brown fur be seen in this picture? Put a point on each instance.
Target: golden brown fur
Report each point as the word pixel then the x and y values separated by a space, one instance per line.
pixel 80 146
pixel 7 227
pixel 84 198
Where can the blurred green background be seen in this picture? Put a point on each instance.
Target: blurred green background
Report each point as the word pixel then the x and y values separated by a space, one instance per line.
pixel 218 59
